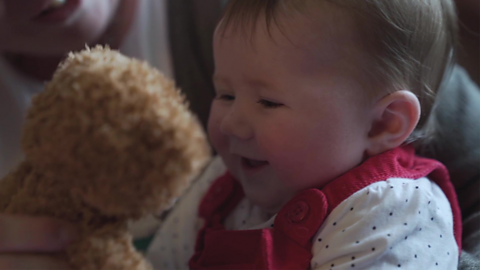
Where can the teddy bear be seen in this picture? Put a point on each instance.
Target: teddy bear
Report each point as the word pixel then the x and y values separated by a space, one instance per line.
pixel 109 140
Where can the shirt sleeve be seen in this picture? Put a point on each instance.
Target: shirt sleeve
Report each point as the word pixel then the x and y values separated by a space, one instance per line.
pixel 174 243
pixel 393 224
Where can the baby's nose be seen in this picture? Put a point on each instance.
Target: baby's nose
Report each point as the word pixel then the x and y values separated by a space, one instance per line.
pixel 235 124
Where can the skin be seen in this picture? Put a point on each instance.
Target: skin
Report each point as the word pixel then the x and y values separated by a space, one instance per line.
pixel 36 48
pixel 290 100
pixel 20 235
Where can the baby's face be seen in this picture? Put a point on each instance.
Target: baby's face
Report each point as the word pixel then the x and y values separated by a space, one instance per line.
pixel 289 113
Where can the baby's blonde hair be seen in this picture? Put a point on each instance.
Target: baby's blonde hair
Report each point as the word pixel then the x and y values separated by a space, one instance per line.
pixel 411 41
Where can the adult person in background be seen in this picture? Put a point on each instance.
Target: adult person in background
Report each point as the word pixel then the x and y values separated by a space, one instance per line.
pixel 456 138
pixel 456 141
pixel 175 36
pixel 35 37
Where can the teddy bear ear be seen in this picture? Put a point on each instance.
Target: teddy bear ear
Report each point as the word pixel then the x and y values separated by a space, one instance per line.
pixel 117 132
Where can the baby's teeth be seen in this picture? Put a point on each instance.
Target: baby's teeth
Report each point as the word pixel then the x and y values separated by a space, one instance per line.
pixel 57 3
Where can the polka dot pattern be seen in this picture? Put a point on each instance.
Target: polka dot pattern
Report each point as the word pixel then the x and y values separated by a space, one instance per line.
pixel 373 228
pixel 380 227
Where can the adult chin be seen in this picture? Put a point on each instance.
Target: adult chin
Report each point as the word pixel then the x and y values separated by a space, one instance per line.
pixel 52 45
pixel 86 26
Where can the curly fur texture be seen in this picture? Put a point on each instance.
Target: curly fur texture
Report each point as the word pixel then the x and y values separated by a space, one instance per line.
pixel 109 140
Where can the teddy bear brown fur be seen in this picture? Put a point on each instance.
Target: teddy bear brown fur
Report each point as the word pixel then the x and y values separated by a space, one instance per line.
pixel 110 140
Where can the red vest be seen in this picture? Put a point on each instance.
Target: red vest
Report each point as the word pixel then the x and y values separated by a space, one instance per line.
pixel 288 244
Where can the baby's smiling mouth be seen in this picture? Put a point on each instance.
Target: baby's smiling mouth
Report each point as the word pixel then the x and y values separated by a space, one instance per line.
pixel 253 163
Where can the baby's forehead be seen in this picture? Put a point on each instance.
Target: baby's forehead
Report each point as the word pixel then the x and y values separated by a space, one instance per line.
pixel 317 39
pixel 321 27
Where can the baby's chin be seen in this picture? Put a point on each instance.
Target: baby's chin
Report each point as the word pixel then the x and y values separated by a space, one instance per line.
pixel 267 201
pixel 266 195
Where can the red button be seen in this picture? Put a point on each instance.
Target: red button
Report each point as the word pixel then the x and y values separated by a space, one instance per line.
pixel 298 211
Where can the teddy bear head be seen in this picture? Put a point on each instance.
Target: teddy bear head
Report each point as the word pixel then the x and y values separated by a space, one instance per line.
pixel 116 132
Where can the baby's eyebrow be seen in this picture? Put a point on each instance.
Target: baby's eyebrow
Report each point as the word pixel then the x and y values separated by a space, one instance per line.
pixel 251 82
pixel 217 78
pixel 258 84
pixel 221 79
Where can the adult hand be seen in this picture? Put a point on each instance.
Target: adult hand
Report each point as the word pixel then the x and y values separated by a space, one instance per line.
pixel 32 243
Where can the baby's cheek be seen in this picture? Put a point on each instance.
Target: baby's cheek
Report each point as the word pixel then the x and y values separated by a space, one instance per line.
pixel 213 129
pixel 280 146
pixel 219 143
pixel 290 154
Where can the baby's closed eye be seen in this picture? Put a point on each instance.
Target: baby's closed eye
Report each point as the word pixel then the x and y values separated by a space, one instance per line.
pixel 269 104
pixel 225 97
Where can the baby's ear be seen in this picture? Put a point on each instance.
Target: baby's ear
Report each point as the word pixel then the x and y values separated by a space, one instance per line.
pixel 394 119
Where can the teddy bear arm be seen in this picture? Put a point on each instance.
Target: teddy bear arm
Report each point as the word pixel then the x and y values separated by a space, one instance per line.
pixel 12 183
pixel 106 248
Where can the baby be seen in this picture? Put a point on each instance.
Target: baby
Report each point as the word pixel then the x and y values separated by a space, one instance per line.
pixel 316 102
